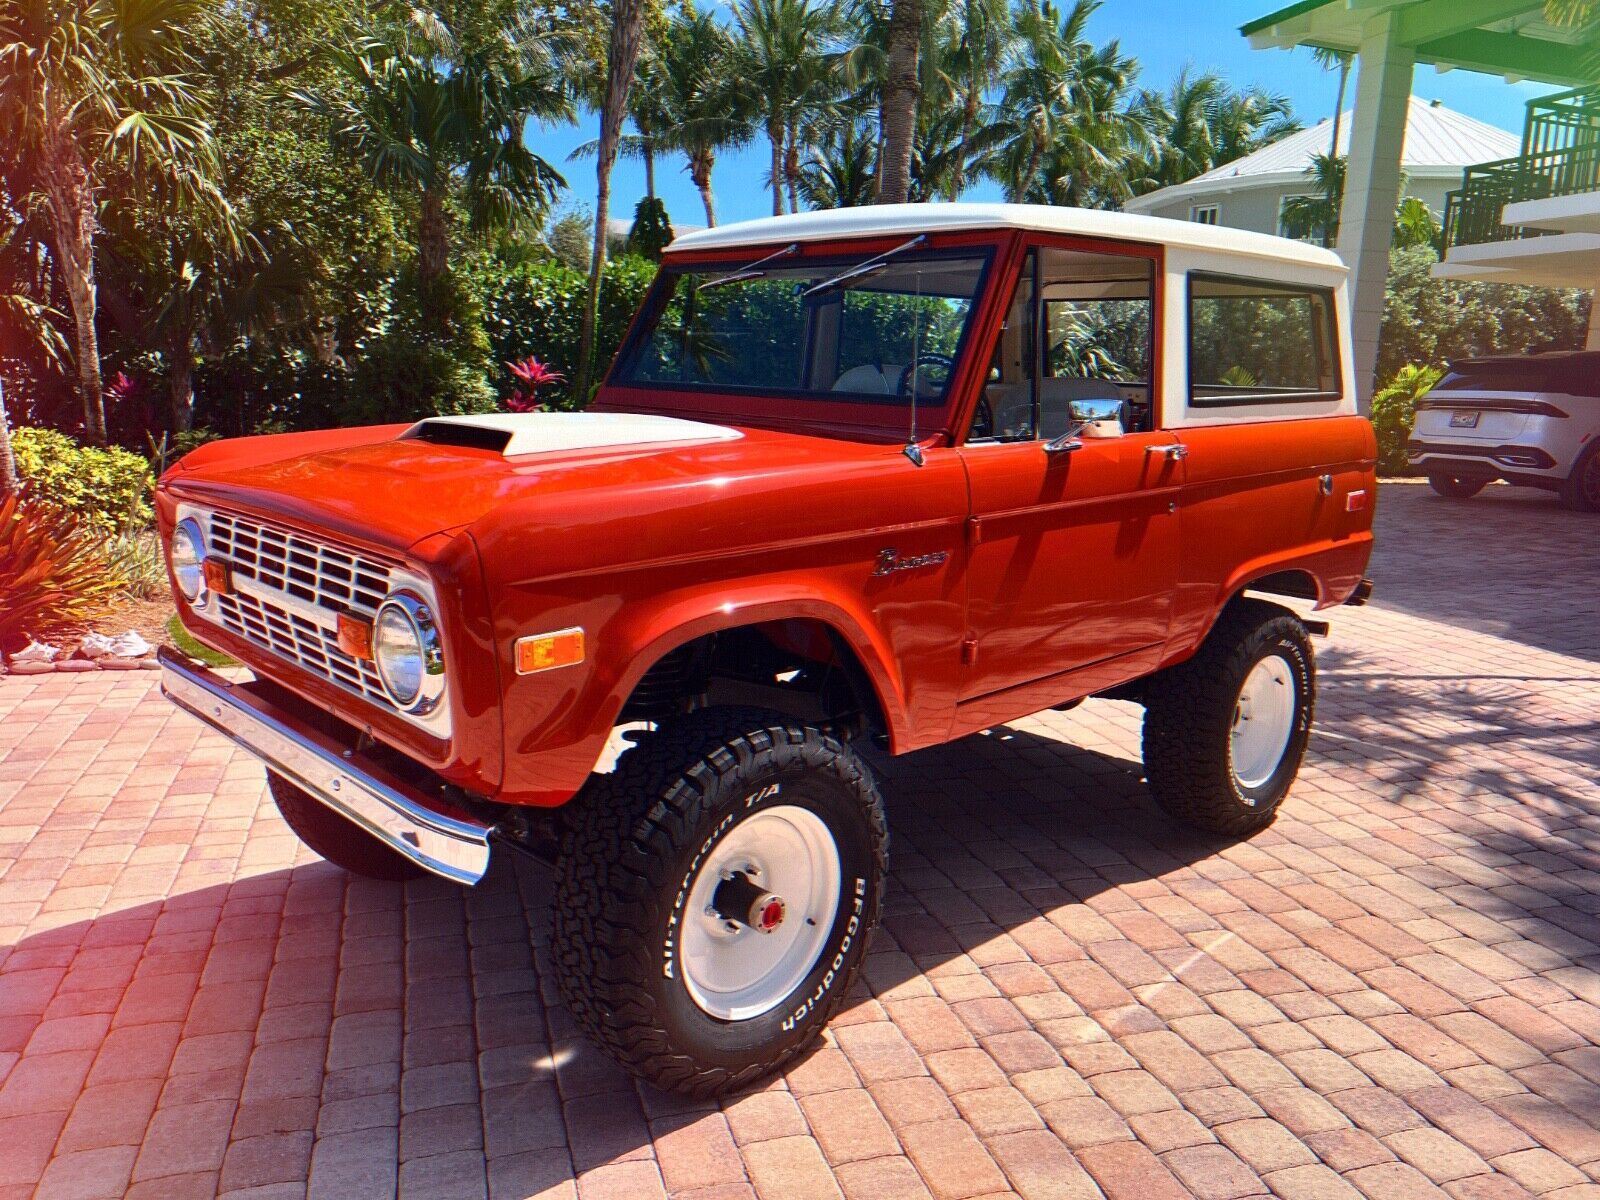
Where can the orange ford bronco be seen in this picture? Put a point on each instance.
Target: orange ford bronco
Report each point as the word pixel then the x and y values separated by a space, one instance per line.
pixel 887 475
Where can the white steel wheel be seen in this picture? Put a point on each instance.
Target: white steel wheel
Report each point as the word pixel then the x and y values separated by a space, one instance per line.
pixel 1263 722
pixel 759 912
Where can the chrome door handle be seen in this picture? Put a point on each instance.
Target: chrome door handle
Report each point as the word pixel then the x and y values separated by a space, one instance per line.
pixel 1173 450
pixel 1063 445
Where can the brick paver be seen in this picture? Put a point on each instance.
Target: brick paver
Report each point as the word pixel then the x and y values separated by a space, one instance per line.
pixel 1395 991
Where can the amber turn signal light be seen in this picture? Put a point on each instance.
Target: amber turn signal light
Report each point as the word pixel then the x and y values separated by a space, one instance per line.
pixel 355 637
pixel 219 579
pixel 547 651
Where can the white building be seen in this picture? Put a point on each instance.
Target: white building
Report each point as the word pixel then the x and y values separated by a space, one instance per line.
pixel 1249 193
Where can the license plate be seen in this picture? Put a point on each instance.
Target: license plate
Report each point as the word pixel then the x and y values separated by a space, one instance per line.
pixel 1464 420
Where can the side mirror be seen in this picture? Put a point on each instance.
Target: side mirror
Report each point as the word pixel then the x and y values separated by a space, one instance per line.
pixel 1089 419
pixel 1098 418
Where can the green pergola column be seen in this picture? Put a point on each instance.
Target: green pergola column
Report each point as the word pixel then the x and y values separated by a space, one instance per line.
pixel 1372 185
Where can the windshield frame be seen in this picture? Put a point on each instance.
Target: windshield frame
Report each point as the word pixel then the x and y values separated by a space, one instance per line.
pixel 877 414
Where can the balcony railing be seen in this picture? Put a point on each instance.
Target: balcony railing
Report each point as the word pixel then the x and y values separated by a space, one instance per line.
pixel 1560 157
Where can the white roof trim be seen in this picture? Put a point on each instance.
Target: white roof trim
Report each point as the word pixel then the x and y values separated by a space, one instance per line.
pixel 886 220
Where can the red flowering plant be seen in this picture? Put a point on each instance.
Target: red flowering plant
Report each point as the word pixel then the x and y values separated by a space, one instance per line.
pixel 531 375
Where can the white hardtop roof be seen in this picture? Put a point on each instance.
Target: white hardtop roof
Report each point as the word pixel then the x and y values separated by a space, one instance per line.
pixel 908 220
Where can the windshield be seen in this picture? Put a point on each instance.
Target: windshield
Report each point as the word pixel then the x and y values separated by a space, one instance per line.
pixel 865 344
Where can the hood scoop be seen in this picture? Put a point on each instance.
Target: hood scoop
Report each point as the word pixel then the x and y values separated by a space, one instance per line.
pixel 512 434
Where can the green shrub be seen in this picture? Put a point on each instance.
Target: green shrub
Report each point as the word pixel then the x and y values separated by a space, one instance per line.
pixel 536 308
pixel 107 489
pixel 431 359
pixel 1435 321
pixel 1394 411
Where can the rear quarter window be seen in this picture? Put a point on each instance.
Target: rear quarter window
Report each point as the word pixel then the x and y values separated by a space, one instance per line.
pixel 1260 342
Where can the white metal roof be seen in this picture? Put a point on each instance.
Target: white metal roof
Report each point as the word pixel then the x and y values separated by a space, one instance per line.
pixel 1439 144
pixel 888 220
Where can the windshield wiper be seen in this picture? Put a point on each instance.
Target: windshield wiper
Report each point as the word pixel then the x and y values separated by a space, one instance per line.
pixel 878 262
pixel 749 272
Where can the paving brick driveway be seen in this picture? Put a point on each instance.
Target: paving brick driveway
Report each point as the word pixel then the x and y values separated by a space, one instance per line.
pixel 1395 990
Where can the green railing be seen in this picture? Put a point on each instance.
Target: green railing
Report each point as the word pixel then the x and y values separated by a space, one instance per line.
pixel 1560 157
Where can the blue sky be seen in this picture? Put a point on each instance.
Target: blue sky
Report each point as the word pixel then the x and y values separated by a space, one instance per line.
pixel 1164 35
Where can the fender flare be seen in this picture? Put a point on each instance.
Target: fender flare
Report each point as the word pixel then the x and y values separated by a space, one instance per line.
pixel 663 628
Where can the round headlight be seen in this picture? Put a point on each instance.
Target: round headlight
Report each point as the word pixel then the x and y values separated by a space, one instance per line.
pixel 405 649
pixel 188 558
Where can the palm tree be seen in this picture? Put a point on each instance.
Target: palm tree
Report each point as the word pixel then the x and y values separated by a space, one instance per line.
pixel 1330 60
pixel 1064 132
pixel 430 120
pixel 984 43
pixel 23 322
pixel 1244 121
pixel 622 52
pixel 647 110
pixel 1200 123
pixel 839 171
pixel 1316 216
pixel 86 85
pixel 899 110
pixel 704 102
pixel 1179 122
pixel 785 64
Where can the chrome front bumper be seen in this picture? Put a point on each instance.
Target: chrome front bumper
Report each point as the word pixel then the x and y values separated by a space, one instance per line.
pixel 391 810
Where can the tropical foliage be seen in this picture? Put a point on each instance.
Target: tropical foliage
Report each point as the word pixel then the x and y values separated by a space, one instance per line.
pixel 108 489
pixel 1394 411
pixel 53 571
pixel 271 214
pixel 1315 216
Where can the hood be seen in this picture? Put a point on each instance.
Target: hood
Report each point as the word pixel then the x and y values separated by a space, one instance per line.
pixel 391 486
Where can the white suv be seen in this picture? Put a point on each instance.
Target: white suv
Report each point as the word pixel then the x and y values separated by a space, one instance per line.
pixel 1532 420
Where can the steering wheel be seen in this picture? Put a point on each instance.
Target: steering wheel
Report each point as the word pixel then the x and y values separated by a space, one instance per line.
pixel 982 420
pixel 928 359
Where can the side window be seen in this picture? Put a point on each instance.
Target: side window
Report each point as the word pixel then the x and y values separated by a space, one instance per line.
pixel 1255 342
pixel 1080 328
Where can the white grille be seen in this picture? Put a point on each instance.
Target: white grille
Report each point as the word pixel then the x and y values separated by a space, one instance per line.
pixel 288 591
pixel 320 574
pixel 292 636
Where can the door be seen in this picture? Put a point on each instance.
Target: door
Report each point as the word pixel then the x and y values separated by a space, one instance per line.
pixel 1073 542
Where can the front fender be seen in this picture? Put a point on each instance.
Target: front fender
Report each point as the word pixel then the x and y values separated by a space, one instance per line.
pixel 557 728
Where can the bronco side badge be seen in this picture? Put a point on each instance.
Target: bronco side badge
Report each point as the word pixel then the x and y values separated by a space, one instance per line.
pixel 889 561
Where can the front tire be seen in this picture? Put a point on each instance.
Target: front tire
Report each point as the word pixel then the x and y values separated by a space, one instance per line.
pixel 1225 732
pixel 715 897
pixel 336 839
pixel 1457 487
pixel 1581 491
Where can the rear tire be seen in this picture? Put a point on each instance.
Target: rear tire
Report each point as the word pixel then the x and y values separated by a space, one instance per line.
pixel 1225 732
pixel 336 839
pixel 1581 491
pixel 651 966
pixel 1457 487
